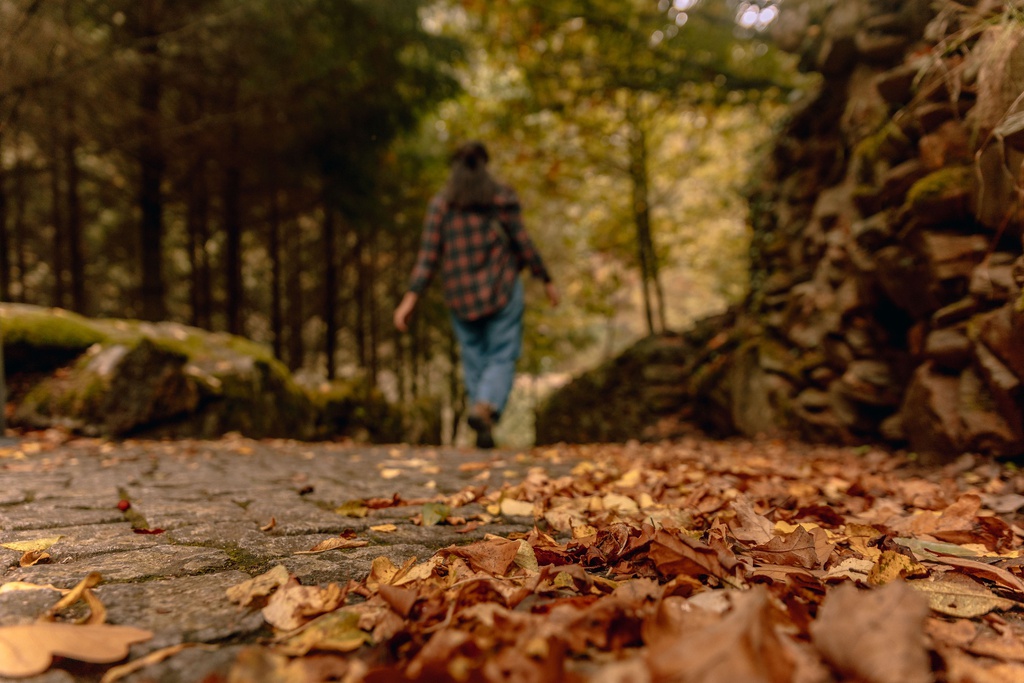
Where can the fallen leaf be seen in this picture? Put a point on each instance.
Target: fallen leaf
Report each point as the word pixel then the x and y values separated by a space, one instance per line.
pixel 353 508
pixel 334 544
pixel 77 593
pixel 494 556
pixel 259 587
pixel 37 545
pixel 390 473
pixel 960 596
pixel 116 673
pixel 434 513
pixel 795 549
pixel 515 508
pixel 874 636
pixel 34 557
pixel 293 605
pixel 29 649
pixel 894 565
pixel 269 525
pixel 336 631
pixel 679 554
pixel 11 586
pixel 384 528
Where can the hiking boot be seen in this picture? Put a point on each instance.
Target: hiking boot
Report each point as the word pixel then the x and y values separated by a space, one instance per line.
pixel 481 419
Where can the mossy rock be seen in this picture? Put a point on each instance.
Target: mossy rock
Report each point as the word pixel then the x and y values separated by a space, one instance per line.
pixel 122 378
pixel 942 196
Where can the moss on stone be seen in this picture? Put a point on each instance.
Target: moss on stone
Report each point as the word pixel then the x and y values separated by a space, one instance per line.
pixel 939 184
pixel 47 328
pixel 887 143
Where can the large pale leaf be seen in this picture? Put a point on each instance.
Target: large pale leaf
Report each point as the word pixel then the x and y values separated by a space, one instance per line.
pixel 28 650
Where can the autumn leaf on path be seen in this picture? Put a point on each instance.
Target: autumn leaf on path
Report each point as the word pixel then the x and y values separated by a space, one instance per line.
pixel 292 605
pixel 258 587
pixel 794 549
pixel 494 556
pixel 334 544
pixel 674 554
pixel 875 636
pixel 28 650
pixel 743 645
pixel 960 596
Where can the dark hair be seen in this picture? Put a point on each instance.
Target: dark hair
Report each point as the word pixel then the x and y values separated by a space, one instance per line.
pixel 470 185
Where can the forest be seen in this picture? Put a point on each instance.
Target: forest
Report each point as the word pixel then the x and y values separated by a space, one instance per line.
pixel 262 168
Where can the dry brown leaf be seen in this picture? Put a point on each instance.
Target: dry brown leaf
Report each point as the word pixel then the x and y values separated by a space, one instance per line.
pixel 336 631
pixel 28 650
pixel 874 636
pixel 748 525
pixel 742 645
pixel 960 596
pixel 81 591
pixel 293 605
pixel 996 574
pixel 797 549
pixel 384 528
pixel 34 557
pixel 269 525
pixel 334 544
pixel 259 587
pixel 494 556
pixel 674 554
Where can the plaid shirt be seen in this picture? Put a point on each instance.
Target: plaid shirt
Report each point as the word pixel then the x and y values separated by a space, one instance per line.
pixel 478 267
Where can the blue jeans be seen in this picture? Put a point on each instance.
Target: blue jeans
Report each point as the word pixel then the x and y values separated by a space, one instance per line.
pixel 490 348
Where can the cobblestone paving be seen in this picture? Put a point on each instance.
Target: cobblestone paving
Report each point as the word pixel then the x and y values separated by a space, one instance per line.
pixel 214 502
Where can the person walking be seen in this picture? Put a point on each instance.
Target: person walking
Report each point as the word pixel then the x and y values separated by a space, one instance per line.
pixel 474 230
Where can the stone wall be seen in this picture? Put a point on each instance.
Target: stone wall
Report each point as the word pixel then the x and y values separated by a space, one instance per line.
pixel 886 264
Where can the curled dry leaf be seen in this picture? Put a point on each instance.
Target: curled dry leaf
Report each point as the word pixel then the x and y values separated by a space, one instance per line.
pixel 269 525
pixel 34 557
pixel 28 650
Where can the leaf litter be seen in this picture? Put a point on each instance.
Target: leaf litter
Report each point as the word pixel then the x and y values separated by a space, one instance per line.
pixel 707 562
pixel 692 561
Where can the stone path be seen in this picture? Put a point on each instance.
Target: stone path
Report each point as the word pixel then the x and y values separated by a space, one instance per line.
pixel 213 500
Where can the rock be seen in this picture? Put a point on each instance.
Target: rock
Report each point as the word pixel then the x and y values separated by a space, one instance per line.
pixel 948 348
pixel 930 413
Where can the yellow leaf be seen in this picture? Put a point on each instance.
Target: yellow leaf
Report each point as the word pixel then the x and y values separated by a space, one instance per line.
pixel 294 605
pixel 11 586
pixel 28 649
pixel 37 545
pixel 516 508
pixel 893 565
pixel 384 528
pixel 336 631
pixel 390 473
pixel 353 508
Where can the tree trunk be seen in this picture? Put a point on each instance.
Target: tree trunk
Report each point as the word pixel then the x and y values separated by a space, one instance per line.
pixel 649 271
pixel 361 300
pixel 374 308
pixel 5 242
pixel 20 207
pixel 76 250
pixel 274 254
pixel 198 228
pixel 151 167
pixel 231 205
pixel 58 245
pixel 330 312
pixel 296 314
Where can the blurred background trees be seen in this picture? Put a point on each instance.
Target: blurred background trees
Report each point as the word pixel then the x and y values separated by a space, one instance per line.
pixel 261 167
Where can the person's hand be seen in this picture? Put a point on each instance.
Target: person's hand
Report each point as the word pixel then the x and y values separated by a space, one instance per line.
pixel 552 292
pixel 404 311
